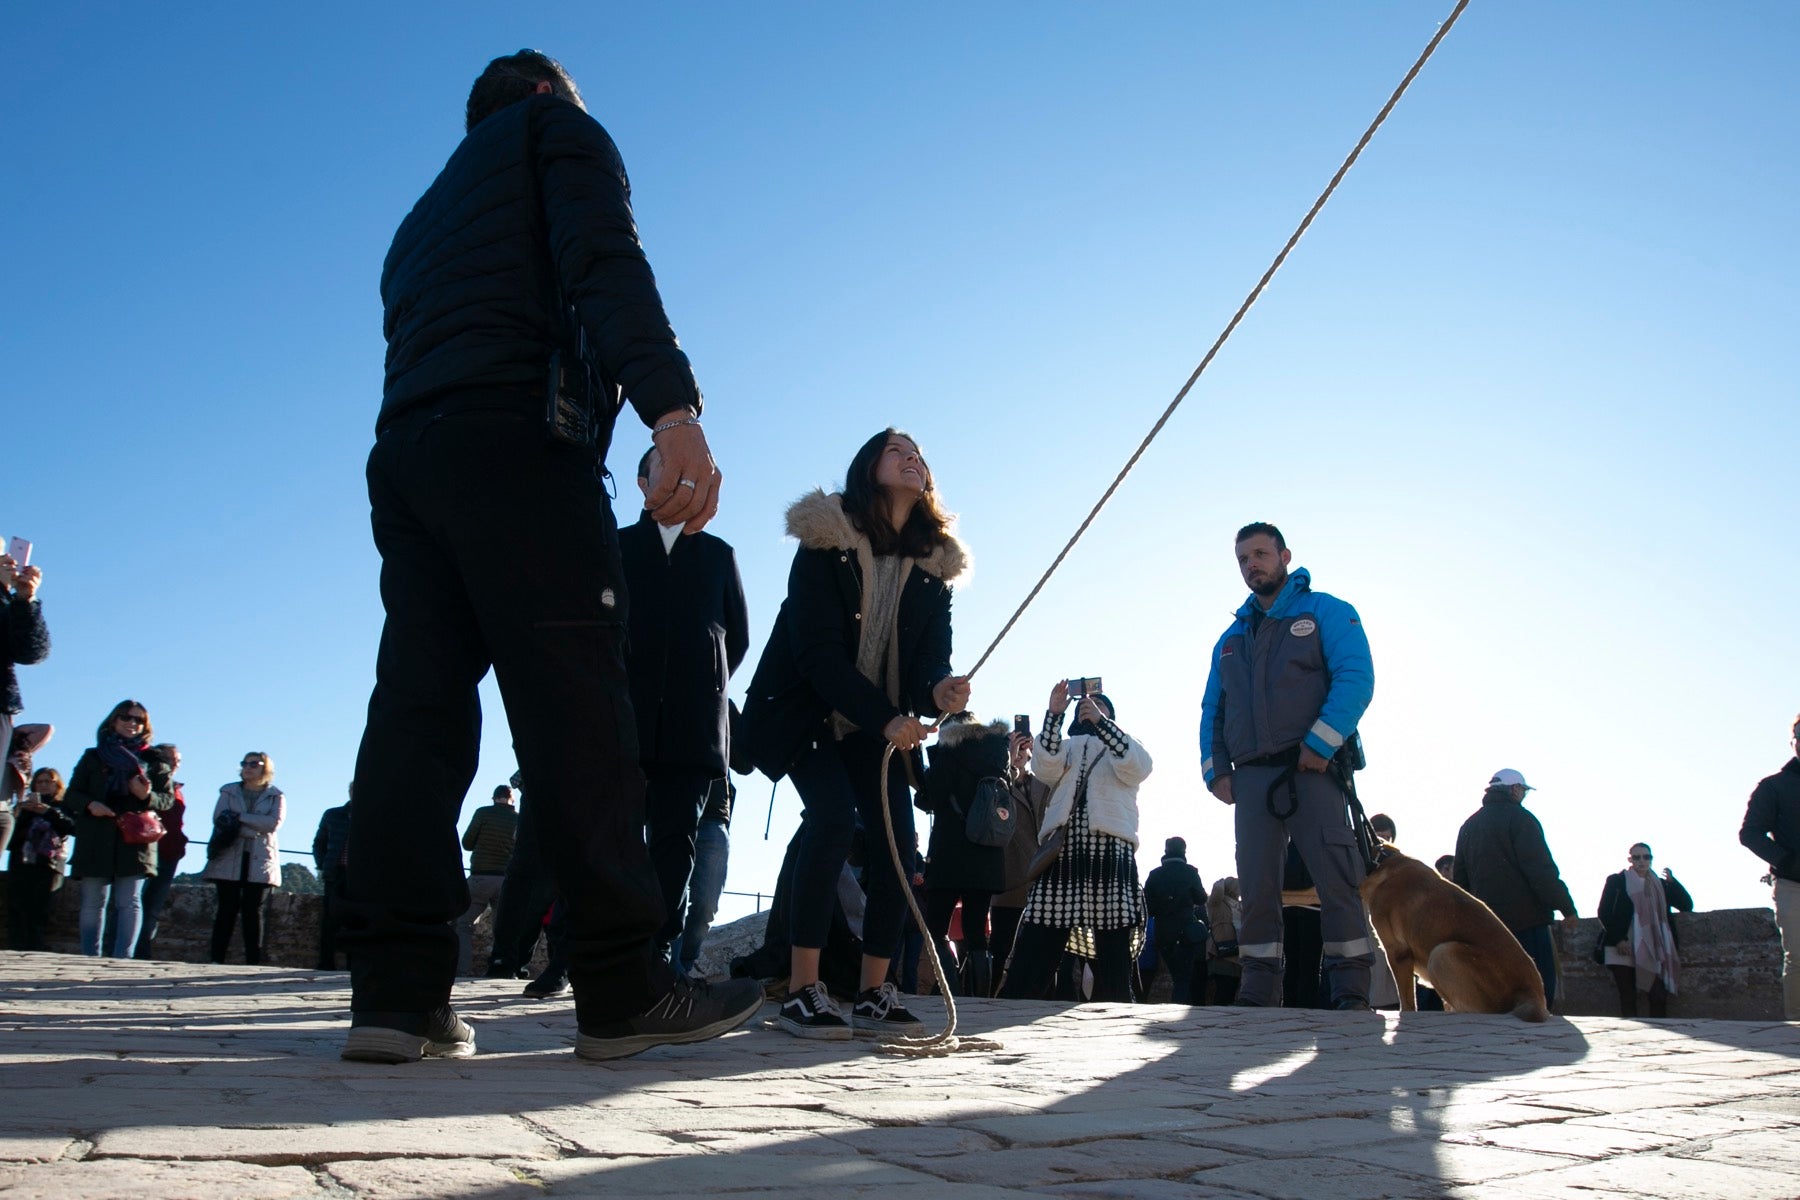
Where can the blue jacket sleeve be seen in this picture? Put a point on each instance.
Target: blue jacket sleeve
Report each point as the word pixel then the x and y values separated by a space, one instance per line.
pixel 1213 759
pixel 1346 650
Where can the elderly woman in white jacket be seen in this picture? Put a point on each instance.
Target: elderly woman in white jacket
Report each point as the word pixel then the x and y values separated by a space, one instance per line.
pixel 1093 775
pixel 246 868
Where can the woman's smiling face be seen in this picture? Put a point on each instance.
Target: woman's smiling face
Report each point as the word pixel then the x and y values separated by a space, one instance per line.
pixel 900 469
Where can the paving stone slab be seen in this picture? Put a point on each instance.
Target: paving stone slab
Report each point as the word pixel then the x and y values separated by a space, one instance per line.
pixel 1295 1179
pixel 1112 1159
pixel 126 1179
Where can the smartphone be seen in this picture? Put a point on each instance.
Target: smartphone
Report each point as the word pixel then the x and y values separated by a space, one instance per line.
pixel 20 549
pixel 1089 686
pixel 1022 723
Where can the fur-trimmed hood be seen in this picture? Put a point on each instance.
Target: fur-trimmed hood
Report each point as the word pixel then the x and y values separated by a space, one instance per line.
pixel 958 732
pixel 818 521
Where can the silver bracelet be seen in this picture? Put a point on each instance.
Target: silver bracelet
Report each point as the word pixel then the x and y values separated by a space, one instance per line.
pixel 672 424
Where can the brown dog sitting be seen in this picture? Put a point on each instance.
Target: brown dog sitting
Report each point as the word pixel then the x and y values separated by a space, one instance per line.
pixel 1452 941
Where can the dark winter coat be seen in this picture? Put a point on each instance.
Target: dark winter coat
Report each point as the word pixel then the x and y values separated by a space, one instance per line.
pixel 24 639
pixel 1503 860
pixel 965 754
pixel 689 631
pixel 100 853
pixel 55 815
pixel 1175 896
pixel 1771 828
pixel 1616 910
pixel 466 287
pixel 808 669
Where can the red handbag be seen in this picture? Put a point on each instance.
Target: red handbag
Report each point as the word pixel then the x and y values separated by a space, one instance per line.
pixel 140 828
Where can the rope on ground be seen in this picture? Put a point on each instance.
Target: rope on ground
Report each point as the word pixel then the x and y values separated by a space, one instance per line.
pixel 947 1042
pixel 937 1045
pixel 1231 326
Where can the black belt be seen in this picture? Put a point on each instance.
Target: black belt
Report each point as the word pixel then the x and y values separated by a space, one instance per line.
pixel 1281 758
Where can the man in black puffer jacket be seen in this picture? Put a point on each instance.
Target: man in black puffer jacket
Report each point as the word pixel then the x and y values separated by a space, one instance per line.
pixel 499 549
pixel 1771 830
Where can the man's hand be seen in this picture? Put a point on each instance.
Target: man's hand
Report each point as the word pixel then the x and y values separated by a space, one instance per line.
pixel 1221 787
pixel 688 492
pixel 905 732
pixel 1312 762
pixel 1059 696
pixel 951 695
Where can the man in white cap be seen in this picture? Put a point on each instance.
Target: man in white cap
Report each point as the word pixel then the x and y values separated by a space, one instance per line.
pixel 1772 830
pixel 1503 860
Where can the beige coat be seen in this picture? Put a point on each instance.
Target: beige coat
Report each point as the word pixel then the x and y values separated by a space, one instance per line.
pixel 256 835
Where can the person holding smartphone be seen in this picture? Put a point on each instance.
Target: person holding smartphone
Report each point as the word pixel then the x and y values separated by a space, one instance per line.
pixel 859 653
pixel 35 859
pixel 24 640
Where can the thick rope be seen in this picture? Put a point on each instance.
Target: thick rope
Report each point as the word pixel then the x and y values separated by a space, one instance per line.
pixel 1243 308
pixel 938 1045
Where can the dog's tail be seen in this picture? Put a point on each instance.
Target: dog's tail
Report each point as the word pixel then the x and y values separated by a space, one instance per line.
pixel 1531 1008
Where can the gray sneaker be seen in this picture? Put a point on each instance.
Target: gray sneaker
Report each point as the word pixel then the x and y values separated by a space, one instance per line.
pixel 446 1036
pixel 689 1012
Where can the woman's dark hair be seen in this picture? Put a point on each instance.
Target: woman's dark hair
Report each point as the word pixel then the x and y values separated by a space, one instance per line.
pixel 927 526
pixel 513 78
pixel 55 777
pixel 119 710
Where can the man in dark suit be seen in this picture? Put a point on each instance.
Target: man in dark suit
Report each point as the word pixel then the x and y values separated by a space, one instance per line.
pixel 689 631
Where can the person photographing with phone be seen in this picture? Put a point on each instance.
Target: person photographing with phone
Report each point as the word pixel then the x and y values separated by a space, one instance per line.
pixel 1092 884
pixel 859 654
pixel 24 639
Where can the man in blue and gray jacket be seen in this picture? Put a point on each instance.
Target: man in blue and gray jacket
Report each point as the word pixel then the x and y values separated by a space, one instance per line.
pixel 1289 682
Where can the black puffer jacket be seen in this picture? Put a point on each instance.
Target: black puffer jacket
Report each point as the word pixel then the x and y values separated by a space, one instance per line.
pixel 965 754
pixel 465 286
pixel 1771 828
pixel 1503 860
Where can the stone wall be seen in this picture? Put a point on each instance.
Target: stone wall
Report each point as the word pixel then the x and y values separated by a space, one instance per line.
pixel 1731 959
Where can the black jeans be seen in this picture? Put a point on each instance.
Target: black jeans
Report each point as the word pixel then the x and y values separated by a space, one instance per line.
pixel 837 782
pixel 239 900
pixel 1039 949
pixel 526 895
pixel 498 548
pixel 1006 928
pixel 331 901
pixel 673 800
pixel 29 887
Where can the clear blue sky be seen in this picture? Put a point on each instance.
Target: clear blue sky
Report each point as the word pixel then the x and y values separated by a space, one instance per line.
pixel 1520 396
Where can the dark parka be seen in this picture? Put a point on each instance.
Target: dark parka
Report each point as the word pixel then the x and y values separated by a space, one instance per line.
pixel 808 669
pixel 689 631
pixel 1503 860
pixel 100 853
pixel 24 639
pixel 1175 895
pixel 1616 911
pixel 457 319
pixel 1771 828
pixel 965 754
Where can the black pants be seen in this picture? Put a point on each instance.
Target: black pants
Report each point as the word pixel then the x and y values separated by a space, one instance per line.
pixel 1039 949
pixel 1626 980
pixel 498 548
pixel 940 907
pixel 28 892
pixel 1006 929
pixel 239 901
pixel 1177 955
pixel 673 800
pixel 330 904
pixel 526 895
pixel 837 782
pixel 1302 946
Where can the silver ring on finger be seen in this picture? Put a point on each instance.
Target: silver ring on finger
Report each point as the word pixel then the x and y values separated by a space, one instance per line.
pixel 688 483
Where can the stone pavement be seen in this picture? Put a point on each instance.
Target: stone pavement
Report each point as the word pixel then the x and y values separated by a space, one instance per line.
pixel 175 1080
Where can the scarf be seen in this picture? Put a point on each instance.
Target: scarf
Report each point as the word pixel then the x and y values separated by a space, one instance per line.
pixel 123 761
pixel 878 642
pixel 1652 941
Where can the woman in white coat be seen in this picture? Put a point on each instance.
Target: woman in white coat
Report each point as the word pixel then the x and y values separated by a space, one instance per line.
pixel 246 868
pixel 1093 775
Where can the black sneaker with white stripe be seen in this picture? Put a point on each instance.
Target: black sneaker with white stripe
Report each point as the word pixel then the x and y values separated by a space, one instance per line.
pixel 879 1013
pixel 812 1013
pixel 689 1012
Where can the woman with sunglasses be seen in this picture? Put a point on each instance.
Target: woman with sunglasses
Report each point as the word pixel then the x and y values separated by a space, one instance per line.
pixel 247 866
pixel 1637 933
pixel 110 780
pixel 860 651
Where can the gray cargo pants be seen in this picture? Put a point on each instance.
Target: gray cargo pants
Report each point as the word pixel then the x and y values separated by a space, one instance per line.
pixel 1321 832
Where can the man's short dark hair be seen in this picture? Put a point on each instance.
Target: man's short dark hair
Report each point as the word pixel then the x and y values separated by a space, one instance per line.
pixel 513 78
pixel 1256 527
pixel 644 463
